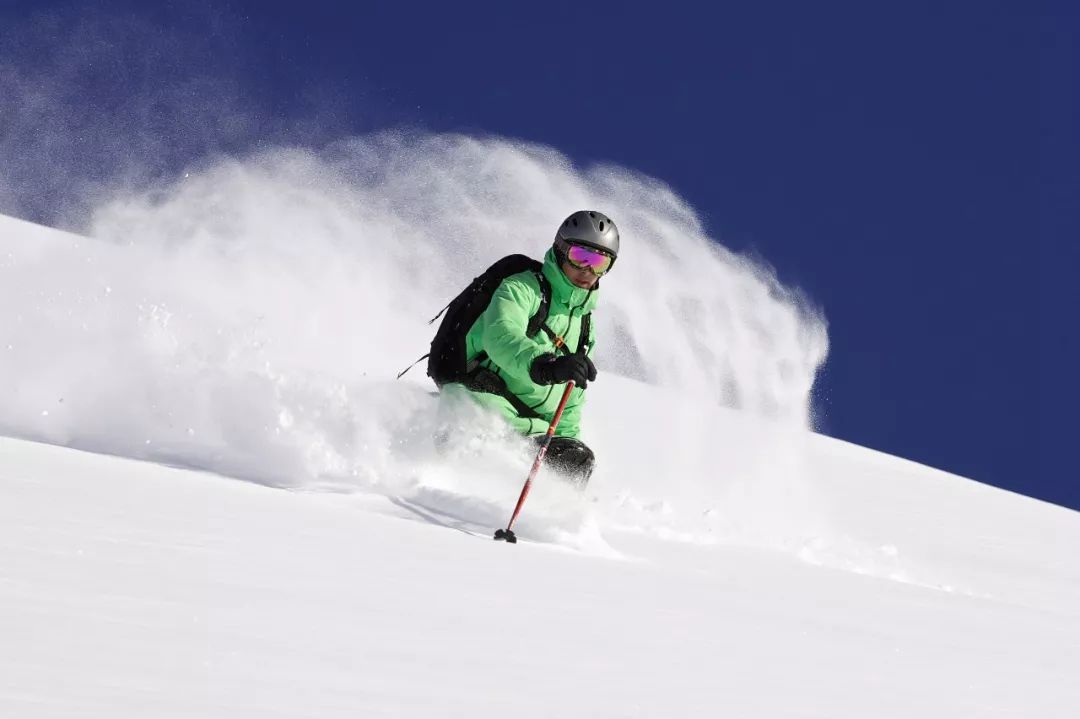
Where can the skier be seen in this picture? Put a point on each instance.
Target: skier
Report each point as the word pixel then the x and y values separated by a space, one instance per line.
pixel 517 360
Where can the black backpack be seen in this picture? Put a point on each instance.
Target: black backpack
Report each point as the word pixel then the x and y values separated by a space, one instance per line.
pixel 446 361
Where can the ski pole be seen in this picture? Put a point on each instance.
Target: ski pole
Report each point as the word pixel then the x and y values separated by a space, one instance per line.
pixel 507 534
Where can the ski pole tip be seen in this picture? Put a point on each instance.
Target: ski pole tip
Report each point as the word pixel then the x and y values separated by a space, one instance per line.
pixel 505 535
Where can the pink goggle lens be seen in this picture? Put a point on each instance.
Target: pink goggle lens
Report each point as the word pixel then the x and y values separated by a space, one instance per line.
pixel 589 259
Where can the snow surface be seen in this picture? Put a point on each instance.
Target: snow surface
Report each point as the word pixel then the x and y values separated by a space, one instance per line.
pixel 130 589
pixel 261 526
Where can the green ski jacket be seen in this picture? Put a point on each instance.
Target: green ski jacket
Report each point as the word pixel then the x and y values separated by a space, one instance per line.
pixel 500 332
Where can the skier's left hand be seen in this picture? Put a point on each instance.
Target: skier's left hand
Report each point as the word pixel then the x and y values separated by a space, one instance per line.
pixel 548 369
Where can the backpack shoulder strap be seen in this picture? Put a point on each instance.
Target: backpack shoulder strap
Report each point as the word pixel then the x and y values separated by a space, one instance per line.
pixel 585 336
pixel 536 323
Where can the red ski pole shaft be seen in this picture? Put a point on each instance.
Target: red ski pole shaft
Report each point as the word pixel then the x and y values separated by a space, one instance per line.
pixel 540 454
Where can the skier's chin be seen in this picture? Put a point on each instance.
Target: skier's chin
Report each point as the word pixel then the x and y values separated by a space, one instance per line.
pixel 579 277
pixel 583 279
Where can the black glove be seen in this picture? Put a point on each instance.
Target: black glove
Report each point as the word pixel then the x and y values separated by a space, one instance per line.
pixel 549 369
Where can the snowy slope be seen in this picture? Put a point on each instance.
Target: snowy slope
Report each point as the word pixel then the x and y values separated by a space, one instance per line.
pixel 220 505
pixel 130 589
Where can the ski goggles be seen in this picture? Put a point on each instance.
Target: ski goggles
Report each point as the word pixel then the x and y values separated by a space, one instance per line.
pixel 586 258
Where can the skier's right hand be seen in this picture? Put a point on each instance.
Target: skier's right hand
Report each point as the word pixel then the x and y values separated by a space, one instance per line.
pixel 549 369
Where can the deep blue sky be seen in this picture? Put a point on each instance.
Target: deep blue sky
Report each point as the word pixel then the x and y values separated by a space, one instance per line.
pixel 911 166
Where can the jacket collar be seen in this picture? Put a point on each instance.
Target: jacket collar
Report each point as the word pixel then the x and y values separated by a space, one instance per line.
pixel 565 291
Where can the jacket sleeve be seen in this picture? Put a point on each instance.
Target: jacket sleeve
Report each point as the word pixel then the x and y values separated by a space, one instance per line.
pixel 506 320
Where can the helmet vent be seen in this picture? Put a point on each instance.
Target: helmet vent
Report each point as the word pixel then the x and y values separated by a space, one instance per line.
pixel 601 225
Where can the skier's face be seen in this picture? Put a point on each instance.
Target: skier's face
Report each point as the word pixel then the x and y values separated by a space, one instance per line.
pixel 580 277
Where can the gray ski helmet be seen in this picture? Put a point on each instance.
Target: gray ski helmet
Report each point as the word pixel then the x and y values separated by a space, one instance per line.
pixel 590 228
